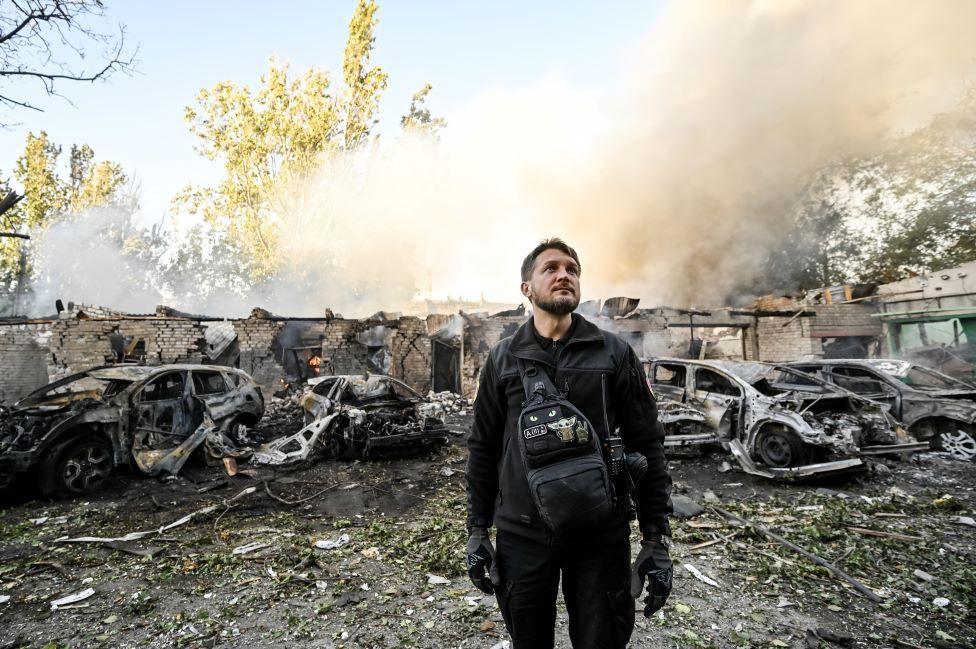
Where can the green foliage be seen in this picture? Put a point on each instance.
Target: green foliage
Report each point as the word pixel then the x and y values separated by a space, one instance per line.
pixel 273 140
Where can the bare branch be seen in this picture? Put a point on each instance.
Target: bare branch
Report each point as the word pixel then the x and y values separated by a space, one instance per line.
pixel 47 40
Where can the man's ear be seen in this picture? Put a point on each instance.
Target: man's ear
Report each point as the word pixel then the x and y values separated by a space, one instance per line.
pixel 526 290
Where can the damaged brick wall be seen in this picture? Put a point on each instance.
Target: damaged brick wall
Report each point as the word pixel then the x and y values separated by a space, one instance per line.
pixel 405 340
pixel 25 350
pixel 80 344
pixel 255 337
pixel 785 338
pixel 265 341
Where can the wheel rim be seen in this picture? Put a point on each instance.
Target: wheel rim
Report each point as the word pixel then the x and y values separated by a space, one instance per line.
pixel 959 444
pixel 776 450
pixel 86 468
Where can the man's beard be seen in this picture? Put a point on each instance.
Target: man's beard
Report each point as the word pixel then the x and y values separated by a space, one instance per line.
pixel 559 305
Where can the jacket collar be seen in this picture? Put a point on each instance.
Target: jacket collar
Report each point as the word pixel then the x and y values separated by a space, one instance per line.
pixel 524 344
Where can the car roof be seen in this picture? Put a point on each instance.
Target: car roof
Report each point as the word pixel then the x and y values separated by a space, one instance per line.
pixel 894 366
pixel 140 372
pixel 748 371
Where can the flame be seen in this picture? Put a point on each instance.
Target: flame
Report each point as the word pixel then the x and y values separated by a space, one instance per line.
pixel 315 364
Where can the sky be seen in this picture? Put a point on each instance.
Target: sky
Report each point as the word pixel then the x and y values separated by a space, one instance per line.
pixel 462 48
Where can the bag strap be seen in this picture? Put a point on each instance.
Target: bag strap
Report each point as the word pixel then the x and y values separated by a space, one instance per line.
pixel 535 380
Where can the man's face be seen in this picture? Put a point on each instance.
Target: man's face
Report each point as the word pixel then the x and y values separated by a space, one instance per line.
pixel 554 286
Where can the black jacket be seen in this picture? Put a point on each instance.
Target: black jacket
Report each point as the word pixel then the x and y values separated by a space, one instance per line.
pixel 606 382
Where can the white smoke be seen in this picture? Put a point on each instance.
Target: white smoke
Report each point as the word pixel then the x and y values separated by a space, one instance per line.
pixel 671 185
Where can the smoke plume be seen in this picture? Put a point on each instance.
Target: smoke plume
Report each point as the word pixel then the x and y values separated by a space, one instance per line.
pixel 671 185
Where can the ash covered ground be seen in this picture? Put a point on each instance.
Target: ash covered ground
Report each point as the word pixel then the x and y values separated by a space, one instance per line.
pixel 369 554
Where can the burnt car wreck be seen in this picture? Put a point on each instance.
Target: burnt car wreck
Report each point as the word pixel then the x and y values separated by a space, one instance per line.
pixel 73 433
pixel 778 422
pixel 934 407
pixel 354 416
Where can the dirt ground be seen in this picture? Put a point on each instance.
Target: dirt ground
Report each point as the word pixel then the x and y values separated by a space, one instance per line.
pixel 250 568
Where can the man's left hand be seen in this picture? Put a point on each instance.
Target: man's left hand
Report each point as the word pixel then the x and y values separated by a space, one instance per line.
pixel 654 564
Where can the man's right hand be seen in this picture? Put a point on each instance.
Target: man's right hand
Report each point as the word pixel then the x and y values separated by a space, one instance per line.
pixel 481 556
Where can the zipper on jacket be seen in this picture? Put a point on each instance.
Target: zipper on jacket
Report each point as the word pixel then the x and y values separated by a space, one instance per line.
pixel 603 390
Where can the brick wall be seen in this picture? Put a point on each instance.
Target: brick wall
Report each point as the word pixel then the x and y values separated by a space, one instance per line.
pixel 255 337
pixel 802 338
pixel 25 350
pixel 80 344
pixel 781 339
pixel 342 345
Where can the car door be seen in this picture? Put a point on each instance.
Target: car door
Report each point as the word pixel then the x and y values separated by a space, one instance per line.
pixel 212 392
pixel 668 381
pixel 162 406
pixel 719 397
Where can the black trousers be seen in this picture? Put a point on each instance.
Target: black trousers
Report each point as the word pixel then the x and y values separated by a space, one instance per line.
pixel 595 568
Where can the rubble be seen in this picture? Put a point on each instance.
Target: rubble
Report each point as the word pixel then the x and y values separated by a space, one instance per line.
pixel 449 403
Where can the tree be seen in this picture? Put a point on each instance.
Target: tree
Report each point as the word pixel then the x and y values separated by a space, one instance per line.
pixel 50 199
pixel 418 120
pixel 49 42
pixel 36 171
pixel 273 140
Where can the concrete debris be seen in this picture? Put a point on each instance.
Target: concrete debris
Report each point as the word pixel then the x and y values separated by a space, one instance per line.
pixel 4 599
pixel 685 507
pixel 437 580
pixel 924 576
pixel 697 574
pixel 964 520
pixel 449 402
pixel 249 548
pixel 941 602
pixel 72 599
pixel 331 544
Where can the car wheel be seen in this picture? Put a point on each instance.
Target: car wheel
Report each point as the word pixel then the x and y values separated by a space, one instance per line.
pixel 80 466
pixel 956 442
pixel 780 448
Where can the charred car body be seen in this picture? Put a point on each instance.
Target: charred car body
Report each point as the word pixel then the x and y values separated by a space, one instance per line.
pixel 73 433
pixel 791 423
pixel 934 407
pixel 355 416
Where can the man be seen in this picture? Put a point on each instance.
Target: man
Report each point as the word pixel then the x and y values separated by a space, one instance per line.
pixel 601 376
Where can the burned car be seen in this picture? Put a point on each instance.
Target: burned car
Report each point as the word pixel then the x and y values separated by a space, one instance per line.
pixel 932 406
pixel 791 423
pixel 355 416
pixel 72 434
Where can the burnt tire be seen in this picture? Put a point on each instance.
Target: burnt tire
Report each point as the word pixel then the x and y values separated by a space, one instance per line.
pixel 82 465
pixel 780 448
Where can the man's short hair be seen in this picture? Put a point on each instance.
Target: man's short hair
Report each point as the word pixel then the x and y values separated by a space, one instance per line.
pixel 555 243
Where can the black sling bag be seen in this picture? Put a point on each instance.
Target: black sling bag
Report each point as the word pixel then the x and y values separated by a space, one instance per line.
pixel 562 456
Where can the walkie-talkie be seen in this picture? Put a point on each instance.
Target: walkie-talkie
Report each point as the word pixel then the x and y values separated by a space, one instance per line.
pixel 615 456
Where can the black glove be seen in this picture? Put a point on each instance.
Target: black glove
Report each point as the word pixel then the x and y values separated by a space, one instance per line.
pixel 481 555
pixel 654 563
